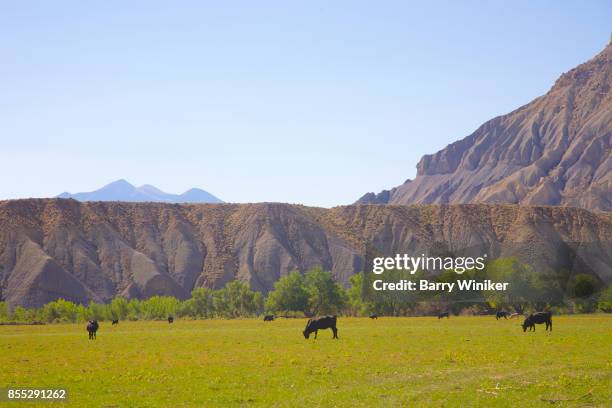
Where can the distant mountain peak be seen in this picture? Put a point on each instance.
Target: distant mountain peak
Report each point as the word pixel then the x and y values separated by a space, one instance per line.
pixel 119 185
pixel 122 190
pixel 194 190
pixel 120 182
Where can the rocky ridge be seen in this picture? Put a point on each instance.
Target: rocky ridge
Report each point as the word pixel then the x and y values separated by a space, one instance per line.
pixel 52 248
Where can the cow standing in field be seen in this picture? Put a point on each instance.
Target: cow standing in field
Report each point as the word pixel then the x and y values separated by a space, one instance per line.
pixel 170 319
pixel 116 321
pixel 373 316
pixel 92 328
pixel 268 318
pixel 321 323
pixel 537 318
pixel 443 314
pixel 501 314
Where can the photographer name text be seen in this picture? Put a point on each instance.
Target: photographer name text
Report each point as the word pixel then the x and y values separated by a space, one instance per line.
pixel 426 285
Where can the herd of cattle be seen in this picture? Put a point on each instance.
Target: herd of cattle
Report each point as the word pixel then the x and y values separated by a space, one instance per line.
pixel 329 322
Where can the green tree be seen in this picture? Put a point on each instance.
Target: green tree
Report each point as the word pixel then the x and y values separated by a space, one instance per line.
pixel 325 296
pixel 526 288
pixel 20 314
pixel 159 307
pixel 4 311
pixel 134 310
pixel 201 303
pixel 582 288
pixel 604 300
pixel 186 309
pixel 356 303
pixel 289 294
pixel 221 304
pixel 583 285
pixel 60 310
pixel 81 313
pixel 240 300
pixel 119 308
pixel 98 311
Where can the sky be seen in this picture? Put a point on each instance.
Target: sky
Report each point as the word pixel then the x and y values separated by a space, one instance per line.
pixel 312 102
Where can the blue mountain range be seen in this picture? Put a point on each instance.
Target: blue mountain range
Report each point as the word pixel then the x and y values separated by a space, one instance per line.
pixel 122 190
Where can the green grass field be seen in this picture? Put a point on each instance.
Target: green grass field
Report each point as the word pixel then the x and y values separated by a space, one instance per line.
pixel 461 361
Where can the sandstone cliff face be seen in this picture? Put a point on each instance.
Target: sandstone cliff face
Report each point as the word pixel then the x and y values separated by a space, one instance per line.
pixel 556 150
pixel 52 248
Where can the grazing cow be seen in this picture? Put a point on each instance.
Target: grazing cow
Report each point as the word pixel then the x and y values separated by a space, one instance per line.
pixel 268 318
pixel 443 314
pixel 537 318
pixel 373 316
pixel 321 323
pixel 501 314
pixel 170 319
pixel 513 315
pixel 92 328
pixel 116 321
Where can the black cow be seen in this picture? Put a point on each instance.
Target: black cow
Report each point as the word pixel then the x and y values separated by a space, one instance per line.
pixel 373 316
pixel 92 328
pixel 321 323
pixel 116 321
pixel 537 318
pixel 268 318
pixel 443 314
pixel 170 319
pixel 501 314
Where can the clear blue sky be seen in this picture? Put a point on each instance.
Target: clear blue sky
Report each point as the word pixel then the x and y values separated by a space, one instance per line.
pixel 302 102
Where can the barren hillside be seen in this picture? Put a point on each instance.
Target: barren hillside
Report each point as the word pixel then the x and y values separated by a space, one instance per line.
pixel 556 150
pixel 52 248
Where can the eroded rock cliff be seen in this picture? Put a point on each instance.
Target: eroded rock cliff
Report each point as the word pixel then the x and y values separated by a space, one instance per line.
pixel 52 248
pixel 556 150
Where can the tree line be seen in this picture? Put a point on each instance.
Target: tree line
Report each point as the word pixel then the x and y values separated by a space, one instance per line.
pixel 316 293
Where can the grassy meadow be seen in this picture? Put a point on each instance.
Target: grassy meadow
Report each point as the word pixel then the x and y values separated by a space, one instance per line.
pixel 461 361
